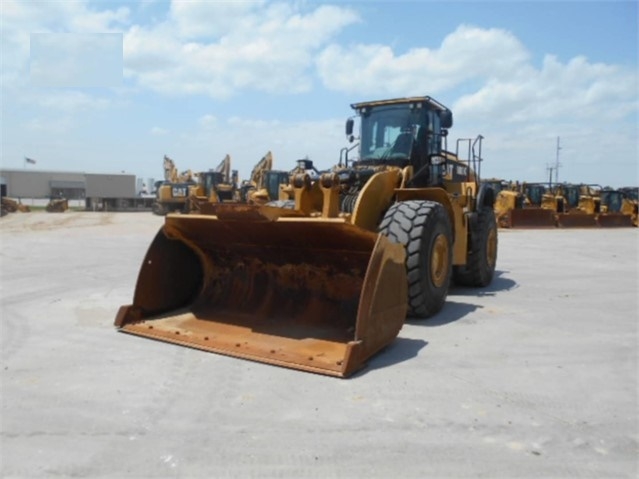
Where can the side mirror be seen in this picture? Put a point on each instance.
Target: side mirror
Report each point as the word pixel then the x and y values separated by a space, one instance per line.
pixel 446 118
pixel 349 127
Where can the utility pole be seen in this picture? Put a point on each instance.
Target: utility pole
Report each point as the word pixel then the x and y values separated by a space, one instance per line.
pixel 557 164
pixel 549 169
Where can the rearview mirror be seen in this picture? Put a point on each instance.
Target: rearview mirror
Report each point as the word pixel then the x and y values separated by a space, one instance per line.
pixel 349 127
pixel 446 118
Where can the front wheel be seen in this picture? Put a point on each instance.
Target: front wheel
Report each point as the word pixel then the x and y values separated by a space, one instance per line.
pixel 424 228
pixel 158 209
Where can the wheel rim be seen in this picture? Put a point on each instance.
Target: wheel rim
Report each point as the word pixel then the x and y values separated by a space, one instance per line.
pixel 491 247
pixel 439 261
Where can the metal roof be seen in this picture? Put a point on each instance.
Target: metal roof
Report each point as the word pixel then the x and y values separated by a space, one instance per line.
pixel 395 101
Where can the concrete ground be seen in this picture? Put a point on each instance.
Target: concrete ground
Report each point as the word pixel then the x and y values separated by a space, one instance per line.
pixel 534 376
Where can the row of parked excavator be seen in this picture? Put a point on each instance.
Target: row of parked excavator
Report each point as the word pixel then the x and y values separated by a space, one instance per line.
pixel 186 192
pixel 539 205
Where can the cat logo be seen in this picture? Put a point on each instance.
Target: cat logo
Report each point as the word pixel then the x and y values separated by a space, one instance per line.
pixel 178 191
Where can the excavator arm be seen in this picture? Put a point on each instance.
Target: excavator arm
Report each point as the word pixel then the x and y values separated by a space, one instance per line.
pixel 257 175
pixel 225 168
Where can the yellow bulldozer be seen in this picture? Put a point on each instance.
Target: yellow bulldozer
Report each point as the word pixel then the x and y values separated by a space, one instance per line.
pixel 326 284
pixel 631 195
pixel 580 205
pixel 617 209
pixel 539 207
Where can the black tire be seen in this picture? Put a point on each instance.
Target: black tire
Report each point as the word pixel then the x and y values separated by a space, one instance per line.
pixel 424 228
pixel 286 204
pixel 158 209
pixel 482 252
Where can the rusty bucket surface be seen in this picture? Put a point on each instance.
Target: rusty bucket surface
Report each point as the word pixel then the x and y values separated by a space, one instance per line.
pixel 614 220
pixel 311 294
pixel 577 220
pixel 532 218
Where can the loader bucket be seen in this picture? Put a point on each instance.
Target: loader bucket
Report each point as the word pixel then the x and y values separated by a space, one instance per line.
pixel 251 282
pixel 613 220
pixel 577 220
pixel 532 218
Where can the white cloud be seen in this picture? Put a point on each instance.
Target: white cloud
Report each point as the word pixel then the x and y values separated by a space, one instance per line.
pixel 222 49
pixel 62 124
pixel 55 101
pixel 578 90
pixel 217 49
pixel 212 19
pixel 19 19
pixel 469 53
pixel 158 131
pixel 76 59
pixel 207 121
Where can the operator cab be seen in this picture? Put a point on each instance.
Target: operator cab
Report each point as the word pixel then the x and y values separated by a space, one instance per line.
pixel 402 132
pixel 272 181
pixel 210 180
pixel 535 193
pixel 612 199
pixel 571 193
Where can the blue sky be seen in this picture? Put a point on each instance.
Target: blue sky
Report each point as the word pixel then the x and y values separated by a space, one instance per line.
pixel 110 86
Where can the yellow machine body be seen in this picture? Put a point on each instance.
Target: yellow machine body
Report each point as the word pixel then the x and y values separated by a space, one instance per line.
pixel 538 210
pixel 58 205
pixel 316 283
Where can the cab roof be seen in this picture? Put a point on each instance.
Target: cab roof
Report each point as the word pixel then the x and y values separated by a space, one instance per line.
pixel 431 102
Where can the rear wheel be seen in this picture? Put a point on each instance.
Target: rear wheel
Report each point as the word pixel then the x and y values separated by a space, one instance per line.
pixel 482 252
pixel 424 228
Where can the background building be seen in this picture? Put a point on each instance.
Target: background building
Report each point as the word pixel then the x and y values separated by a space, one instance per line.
pixel 70 185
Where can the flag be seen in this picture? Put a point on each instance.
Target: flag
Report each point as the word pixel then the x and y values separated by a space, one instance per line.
pixel 29 160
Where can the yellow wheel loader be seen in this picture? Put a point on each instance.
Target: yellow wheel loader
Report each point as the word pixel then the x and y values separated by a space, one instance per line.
pixel 327 283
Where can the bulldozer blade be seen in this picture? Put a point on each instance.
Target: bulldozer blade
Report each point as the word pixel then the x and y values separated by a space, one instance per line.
pixel 532 218
pixel 317 295
pixel 614 220
pixel 577 220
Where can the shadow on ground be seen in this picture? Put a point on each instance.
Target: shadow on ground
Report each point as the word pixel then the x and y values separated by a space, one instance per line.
pixel 498 284
pixel 451 312
pixel 455 310
pixel 402 349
